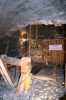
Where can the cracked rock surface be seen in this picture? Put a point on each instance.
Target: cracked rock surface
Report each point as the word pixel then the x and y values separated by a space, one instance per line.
pixel 15 14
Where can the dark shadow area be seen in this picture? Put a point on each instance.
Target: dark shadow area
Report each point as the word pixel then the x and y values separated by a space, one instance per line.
pixel 37 68
pixel 1 98
pixel 63 98
pixel 11 43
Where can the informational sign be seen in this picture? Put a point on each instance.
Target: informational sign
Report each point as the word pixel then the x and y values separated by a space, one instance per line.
pixel 55 47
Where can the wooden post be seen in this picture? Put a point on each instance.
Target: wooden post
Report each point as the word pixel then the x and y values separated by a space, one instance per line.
pixel 6 51
pixel 65 75
pixel 36 35
pixel 55 65
pixel 5 74
pixel 25 81
pixel 11 60
pixel 29 39
pixel 25 64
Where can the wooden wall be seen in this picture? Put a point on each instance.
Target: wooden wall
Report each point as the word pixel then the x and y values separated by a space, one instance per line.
pixel 65 49
pixel 57 56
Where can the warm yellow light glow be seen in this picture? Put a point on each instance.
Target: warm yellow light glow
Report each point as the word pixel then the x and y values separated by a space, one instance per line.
pixel 23 31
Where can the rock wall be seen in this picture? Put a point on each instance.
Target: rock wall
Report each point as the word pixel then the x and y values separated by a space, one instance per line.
pixel 15 14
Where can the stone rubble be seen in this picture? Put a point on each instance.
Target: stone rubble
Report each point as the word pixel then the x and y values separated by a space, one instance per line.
pixel 39 90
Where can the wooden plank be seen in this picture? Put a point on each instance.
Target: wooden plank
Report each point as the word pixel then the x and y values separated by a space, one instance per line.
pixel 60 54
pixel 21 82
pixel 29 39
pixel 25 75
pixel 5 74
pixel 25 72
pixel 65 75
pixel 63 52
pixel 40 77
pixel 43 75
pixel 11 60
pixel 52 51
pixel 57 55
pixel 6 51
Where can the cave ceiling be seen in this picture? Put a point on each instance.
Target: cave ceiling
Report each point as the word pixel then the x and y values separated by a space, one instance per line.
pixel 15 14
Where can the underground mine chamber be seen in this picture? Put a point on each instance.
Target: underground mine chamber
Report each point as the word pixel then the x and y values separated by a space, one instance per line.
pixel 45 44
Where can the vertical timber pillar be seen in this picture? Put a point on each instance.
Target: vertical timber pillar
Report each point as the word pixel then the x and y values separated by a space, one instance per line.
pixel 65 75
pixel 25 80
pixel 29 39
pixel 36 34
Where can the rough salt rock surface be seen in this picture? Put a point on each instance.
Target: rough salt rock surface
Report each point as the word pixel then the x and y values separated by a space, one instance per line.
pixel 39 90
pixel 15 14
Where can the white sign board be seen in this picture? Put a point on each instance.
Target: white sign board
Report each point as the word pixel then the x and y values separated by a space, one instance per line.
pixel 55 47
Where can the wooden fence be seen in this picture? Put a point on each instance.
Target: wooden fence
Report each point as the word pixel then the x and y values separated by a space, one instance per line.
pixel 57 56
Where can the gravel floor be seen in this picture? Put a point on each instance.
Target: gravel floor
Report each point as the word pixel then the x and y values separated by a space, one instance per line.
pixel 39 90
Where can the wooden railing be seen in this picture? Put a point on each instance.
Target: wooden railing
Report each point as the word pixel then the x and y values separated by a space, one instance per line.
pixel 24 63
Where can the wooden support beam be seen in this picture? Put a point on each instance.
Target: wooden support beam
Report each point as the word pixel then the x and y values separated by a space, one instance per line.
pixel 25 80
pixel 24 63
pixel 5 74
pixel 36 35
pixel 6 51
pixel 42 77
pixel 11 60
pixel 36 32
pixel 65 75
pixel 29 39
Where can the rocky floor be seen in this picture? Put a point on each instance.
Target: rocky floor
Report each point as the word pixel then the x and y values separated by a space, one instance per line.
pixel 39 90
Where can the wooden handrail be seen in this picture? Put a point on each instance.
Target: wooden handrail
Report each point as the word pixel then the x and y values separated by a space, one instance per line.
pixel 12 60
pixel 24 63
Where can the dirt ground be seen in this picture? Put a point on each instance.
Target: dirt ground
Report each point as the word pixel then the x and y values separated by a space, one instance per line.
pixel 39 89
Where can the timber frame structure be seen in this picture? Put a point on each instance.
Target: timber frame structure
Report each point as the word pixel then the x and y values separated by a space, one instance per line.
pixel 24 63
pixel 39 48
